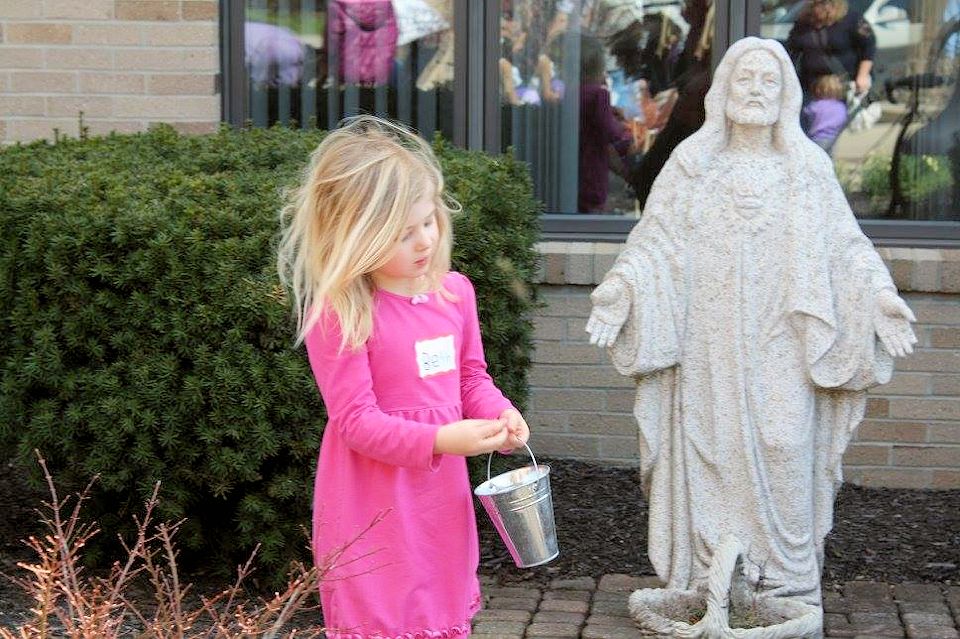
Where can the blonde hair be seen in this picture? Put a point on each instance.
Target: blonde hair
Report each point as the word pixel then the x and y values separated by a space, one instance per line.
pixel 828 86
pixel 836 10
pixel 341 224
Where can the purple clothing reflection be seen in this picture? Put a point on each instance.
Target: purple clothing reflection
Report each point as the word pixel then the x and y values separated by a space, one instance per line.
pixel 274 55
pixel 599 129
pixel 825 119
pixel 362 37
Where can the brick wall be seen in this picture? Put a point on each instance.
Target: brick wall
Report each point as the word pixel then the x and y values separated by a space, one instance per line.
pixel 124 64
pixel 582 408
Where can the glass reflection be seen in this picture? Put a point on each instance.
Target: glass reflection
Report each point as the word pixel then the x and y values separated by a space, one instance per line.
pixel 597 93
pixel 879 78
pixel 314 62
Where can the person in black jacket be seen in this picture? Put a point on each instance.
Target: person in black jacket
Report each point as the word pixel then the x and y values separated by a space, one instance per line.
pixel 828 38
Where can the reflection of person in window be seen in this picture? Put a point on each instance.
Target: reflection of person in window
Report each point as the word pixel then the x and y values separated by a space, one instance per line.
pixel 526 70
pixel 599 129
pixel 829 38
pixel 274 55
pixel 826 114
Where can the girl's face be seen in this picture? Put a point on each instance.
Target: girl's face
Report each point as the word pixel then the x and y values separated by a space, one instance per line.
pixel 412 252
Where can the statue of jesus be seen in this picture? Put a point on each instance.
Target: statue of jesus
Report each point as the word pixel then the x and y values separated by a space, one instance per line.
pixel 754 314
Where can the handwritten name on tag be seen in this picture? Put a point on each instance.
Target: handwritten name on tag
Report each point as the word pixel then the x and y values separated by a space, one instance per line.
pixel 435 356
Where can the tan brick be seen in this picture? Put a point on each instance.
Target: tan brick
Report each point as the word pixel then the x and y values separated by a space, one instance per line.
pixel 548 422
pixel 115 33
pixel 548 376
pixel 91 106
pixel 167 107
pixel 43 82
pixel 950 277
pixel 22 105
pixel 945 337
pixel 79 9
pixel 549 328
pixel 570 305
pixel 3 131
pixel 946 385
pixel 867 455
pixel 104 127
pixel 181 84
pixel 4 82
pixel 197 10
pixel 620 449
pixel 877 407
pixel 28 130
pixel 927 456
pixel 891 431
pixel 38 33
pixel 940 361
pixel 894 478
pixel 79 58
pixel 945 433
pixel 147 10
pixel 180 35
pixel 579 269
pixel 603 424
pixel 112 83
pixel 905 383
pixel 577 330
pixel 926 277
pixel 902 273
pixel 924 408
pixel 945 479
pixel 621 401
pixel 599 376
pixel 197 60
pixel 567 446
pixel 22 57
pixel 568 399
pixel 193 128
pixel 558 353
pixel 20 9
pixel 936 311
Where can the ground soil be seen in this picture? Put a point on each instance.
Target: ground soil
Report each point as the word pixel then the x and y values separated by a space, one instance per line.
pixel 896 536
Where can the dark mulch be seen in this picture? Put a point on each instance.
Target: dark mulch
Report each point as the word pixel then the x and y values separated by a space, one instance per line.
pixel 880 534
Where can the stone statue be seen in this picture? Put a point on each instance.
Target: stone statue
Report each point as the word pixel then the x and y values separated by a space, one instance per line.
pixel 754 315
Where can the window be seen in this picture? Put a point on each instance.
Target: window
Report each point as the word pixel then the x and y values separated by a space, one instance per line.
pixel 880 80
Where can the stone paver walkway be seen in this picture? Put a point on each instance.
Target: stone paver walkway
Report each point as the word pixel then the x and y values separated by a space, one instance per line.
pixel 588 609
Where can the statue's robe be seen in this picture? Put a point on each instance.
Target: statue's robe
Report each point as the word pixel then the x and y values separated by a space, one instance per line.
pixel 752 341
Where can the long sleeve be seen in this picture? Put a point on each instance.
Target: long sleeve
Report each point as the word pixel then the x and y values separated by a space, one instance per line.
pixel 346 385
pixel 480 396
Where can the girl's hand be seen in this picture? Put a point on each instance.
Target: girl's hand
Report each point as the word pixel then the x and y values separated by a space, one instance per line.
pixel 470 437
pixel 863 83
pixel 517 429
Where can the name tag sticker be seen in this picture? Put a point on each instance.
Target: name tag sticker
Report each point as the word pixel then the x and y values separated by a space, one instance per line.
pixel 435 356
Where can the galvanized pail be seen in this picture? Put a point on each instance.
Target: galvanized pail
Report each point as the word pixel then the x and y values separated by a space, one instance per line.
pixel 521 509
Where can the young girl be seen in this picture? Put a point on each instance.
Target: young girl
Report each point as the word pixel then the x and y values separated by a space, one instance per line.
pixel 825 115
pixel 394 343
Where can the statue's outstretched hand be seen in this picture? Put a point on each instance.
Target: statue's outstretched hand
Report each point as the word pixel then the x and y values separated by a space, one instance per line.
pixel 611 305
pixel 891 320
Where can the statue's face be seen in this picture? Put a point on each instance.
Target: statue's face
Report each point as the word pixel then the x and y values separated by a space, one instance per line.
pixel 755 86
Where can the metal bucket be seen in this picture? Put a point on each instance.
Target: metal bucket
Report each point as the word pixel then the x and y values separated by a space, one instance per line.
pixel 521 509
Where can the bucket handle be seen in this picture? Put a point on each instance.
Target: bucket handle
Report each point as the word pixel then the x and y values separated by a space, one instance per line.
pixel 525 445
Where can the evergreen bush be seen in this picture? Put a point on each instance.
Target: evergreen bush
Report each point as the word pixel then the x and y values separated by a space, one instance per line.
pixel 145 337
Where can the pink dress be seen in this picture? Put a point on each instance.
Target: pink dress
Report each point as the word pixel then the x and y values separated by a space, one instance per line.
pixel 413 574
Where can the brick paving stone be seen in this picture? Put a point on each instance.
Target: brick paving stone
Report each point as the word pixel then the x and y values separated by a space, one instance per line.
pixel 487 581
pixel 649 581
pixel 953 598
pixel 932 632
pixel 577 583
pixel 876 625
pixel 569 595
pixel 936 607
pixel 512 603
pixel 867 590
pixel 917 592
pixel 513 628
pixel 870 605
pixel 555 616
pixel 616 607
pixel 564 605
pixel 926 619
pixel 837 625
pixel 502 615
pixel 611 620
pixel 600 595
pixel 562 630
pixel 495 635
pixel 618 583
pixel 512 592
pixel 611 632
pixel 834 602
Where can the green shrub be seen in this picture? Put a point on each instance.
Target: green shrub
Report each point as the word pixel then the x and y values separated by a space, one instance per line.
pixel 144 335
pixel 920 176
